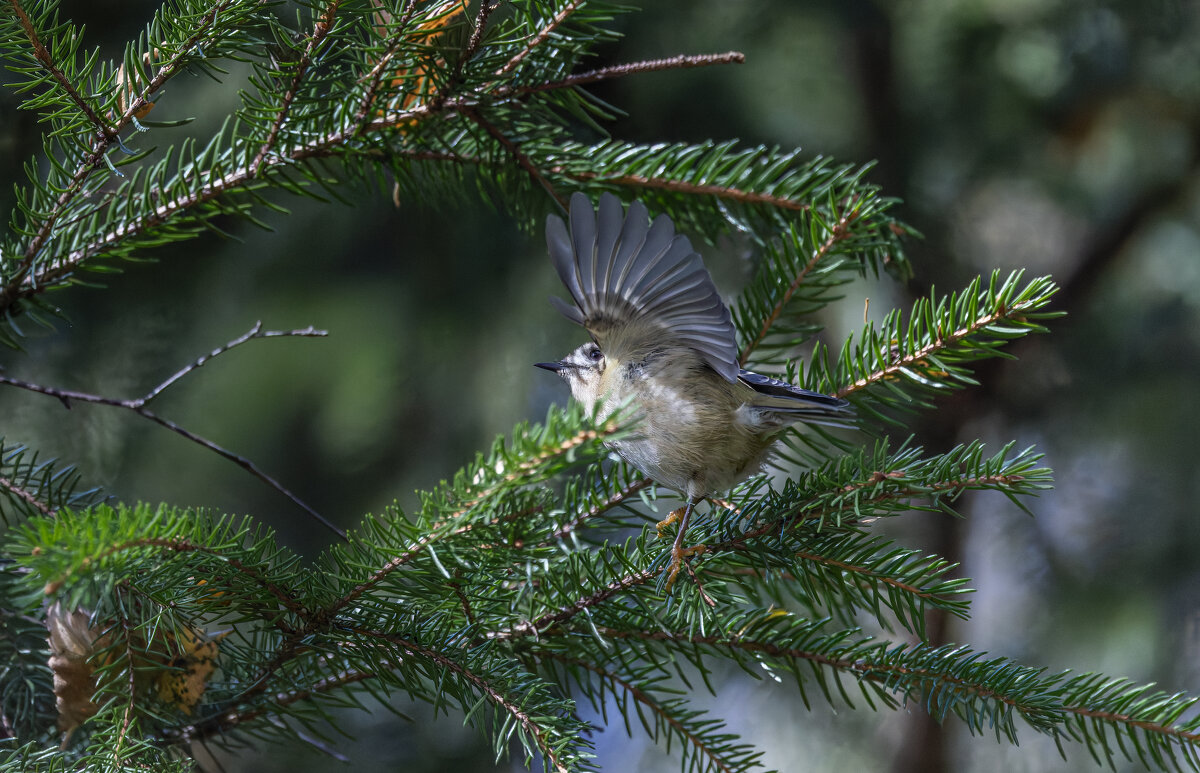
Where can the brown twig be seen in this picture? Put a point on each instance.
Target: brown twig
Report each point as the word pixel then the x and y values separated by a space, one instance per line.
pixel 138 406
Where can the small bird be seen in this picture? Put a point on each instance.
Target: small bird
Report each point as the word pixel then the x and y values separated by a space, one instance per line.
pixel 663 345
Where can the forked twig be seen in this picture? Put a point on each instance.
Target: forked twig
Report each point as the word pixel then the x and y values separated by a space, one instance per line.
pixel 138 406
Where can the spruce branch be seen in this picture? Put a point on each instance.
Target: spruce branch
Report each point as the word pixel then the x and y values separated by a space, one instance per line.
pixel 24 278
pixel 26 496
pixel 711 749
pixel 839 231
pixel 103 131
pixel 177 545
pixel 526 723
pixel 681 62
pixel 131 700
pixel 615 499
pixel 320 30
pixel 535 628
pixel 926 354
pixel 30 486
pixel 463 598
pixel 837 496
pixel 663 183
pixel 522 159
pixel 841 573
pixel 985 693
pixel 539 38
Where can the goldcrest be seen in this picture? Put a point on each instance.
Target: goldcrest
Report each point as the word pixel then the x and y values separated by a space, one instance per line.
pixel 663 344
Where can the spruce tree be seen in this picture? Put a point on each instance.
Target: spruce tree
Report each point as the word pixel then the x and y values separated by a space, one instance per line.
pixel 527 584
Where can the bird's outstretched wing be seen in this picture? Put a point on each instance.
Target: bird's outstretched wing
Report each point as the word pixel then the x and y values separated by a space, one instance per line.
pixel 635 281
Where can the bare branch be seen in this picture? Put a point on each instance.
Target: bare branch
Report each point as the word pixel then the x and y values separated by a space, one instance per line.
pixel 254 332
pixel 138 406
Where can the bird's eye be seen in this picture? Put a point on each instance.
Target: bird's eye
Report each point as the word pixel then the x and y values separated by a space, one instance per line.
pixel 594 354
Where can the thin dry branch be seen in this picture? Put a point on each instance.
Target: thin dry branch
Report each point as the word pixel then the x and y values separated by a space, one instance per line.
pixel 138 406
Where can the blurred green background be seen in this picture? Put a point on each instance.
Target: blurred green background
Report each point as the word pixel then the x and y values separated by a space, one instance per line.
pixel 1054 135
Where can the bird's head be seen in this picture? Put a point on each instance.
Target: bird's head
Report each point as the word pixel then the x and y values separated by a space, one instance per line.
pixel 584 370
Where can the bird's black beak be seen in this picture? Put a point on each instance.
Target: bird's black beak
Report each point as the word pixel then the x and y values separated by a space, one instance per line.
pixel 554 366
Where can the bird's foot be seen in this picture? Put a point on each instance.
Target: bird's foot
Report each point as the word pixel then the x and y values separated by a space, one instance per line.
pixel 672 518
pixel 679 556
pixel 679 553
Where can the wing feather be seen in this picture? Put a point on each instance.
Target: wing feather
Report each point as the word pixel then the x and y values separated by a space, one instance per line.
pixel 629 277
pixel 781 397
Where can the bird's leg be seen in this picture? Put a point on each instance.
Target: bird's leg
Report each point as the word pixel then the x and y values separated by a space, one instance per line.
pixel 678 551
